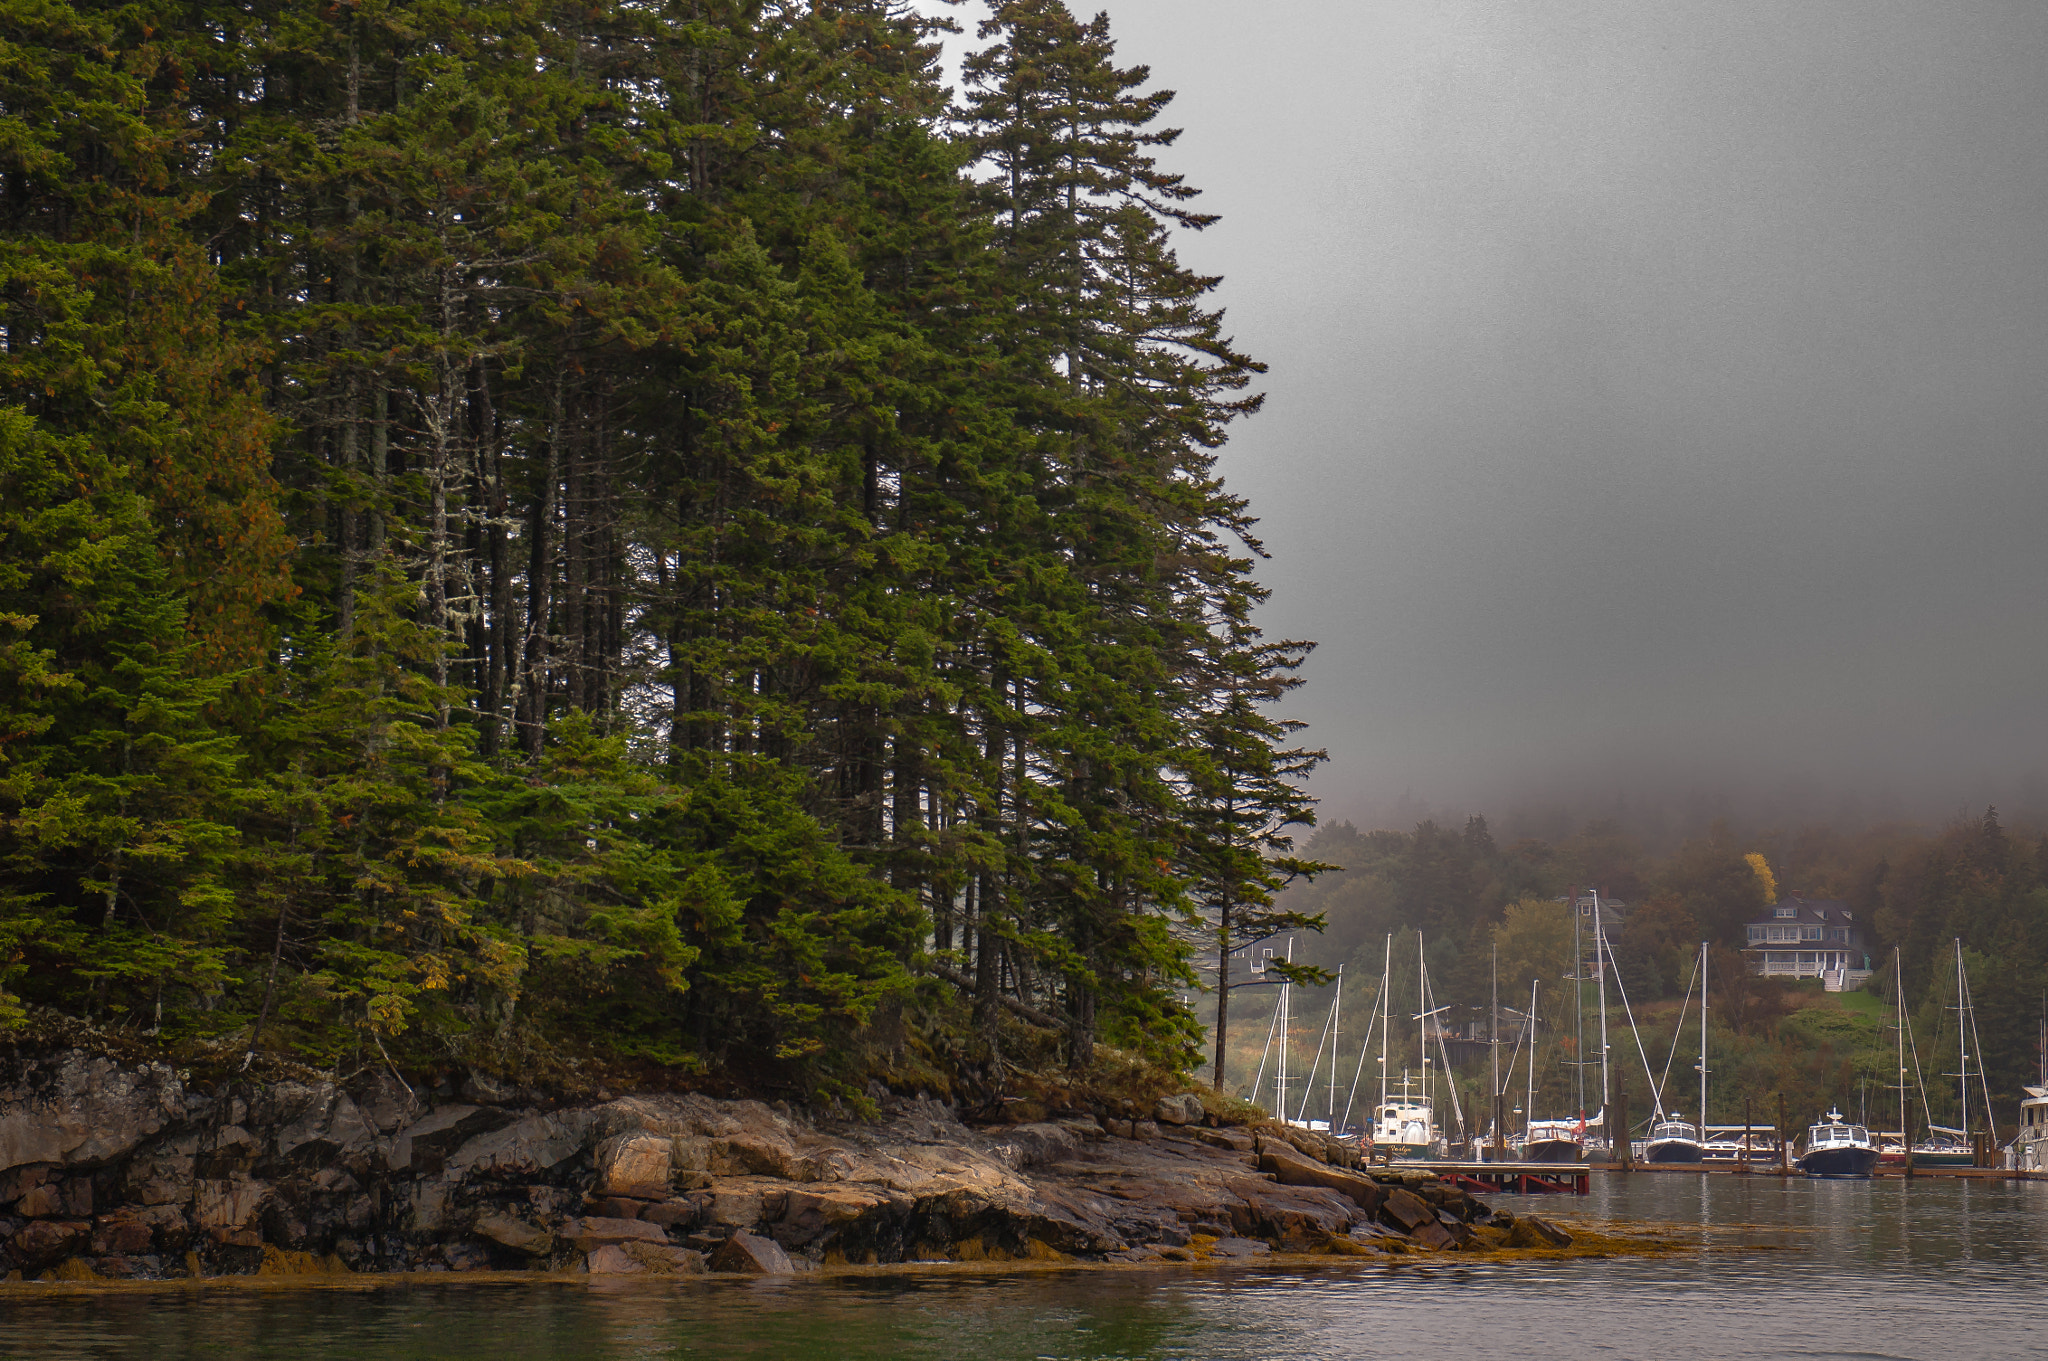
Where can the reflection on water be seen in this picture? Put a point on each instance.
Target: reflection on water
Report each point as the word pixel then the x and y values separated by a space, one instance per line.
pixel 1864 1269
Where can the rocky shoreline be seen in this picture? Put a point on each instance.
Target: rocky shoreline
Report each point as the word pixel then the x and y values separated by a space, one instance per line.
pixel 134 1171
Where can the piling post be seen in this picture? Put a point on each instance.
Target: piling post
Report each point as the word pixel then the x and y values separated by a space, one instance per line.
pixel 1784 1144
pixel 1618 1145
pixel 1743 1166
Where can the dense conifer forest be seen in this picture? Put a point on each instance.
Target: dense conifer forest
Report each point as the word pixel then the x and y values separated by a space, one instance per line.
pixel 644 531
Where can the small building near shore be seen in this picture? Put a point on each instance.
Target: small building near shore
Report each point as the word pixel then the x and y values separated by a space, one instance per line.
pixel 1803 937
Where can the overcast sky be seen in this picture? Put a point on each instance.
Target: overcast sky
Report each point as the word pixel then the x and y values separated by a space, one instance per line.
pixel 1658 397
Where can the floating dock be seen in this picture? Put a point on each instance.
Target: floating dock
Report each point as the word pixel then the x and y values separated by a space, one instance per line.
pixel 1518 1178
pixel 1774 1170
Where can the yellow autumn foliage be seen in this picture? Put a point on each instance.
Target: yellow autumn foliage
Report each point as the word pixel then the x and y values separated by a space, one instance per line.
pixel 1764 877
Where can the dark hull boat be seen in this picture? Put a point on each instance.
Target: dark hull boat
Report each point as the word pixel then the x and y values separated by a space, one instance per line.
pixel 1839 1162
pixel 1553 1151
pixel 1835 1148
pixel 1673 1151
pixel 1674 1141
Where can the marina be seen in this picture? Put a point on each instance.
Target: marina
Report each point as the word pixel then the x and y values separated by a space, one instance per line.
pixel 1535 1178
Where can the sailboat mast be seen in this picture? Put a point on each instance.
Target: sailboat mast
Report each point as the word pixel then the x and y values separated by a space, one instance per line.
pixel 1336 1033
pixel 1899 1016
pixel 1422 1006
pixel 1962 1040
pixel 1493 1036
pixel 1386 976
pixel 1529 1107
pixel 1286 1025
pixel 1703 1042
pixel 1578 1007
pixel 1600 972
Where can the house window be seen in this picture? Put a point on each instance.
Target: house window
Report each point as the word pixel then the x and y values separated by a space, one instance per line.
pixel 1756 933
pixel 1809 933
pixel 1788 914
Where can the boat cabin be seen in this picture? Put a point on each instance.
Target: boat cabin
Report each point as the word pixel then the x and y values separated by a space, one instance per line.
pixel 1410 1122
pixel 1834 1132
pixel 2028 1152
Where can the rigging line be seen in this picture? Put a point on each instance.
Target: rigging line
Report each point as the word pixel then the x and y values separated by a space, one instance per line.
pixel 1678 1030
pixel 1308 1083
pixel 1443 1053
pixel 1634 1030
pixel 1522 1034
pixel 1919 1077
pixel 1371 1020
pixel 1271 1026
pixel 1983 1085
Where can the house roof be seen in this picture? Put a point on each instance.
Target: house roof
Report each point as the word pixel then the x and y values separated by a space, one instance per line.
pixel 1811 912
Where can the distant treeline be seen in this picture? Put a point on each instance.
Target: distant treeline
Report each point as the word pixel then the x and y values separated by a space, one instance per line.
pixel 1908 887
pixel 626 529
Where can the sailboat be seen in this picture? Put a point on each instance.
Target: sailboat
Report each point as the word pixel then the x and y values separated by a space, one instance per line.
pixel 1407 1128
pixel 1673 1139
pixel 1568 1140
pixel 1946 1145
pixel 1547 1141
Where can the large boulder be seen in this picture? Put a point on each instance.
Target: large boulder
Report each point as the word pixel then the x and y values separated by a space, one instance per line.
pixel 46 1242
pixel 525 1148
pixel 1034 1145
pixel 84 1112
pixel 591 1232
pixel 1290 1169
pixel 1435 1235
pixel 751 1255
pixel 1184 1108
pixel 510 1231
pixel 1406 1211
pixel 638 1259
pixel 812 1213
pixel 315 1124
pixel 1236 1140
pixel 634 1165
pixel 1533 1231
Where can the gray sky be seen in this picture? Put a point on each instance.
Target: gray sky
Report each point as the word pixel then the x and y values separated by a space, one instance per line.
pixel 1658 396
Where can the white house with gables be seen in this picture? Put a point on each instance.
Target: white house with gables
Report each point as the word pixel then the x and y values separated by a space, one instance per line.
pixel 1804 937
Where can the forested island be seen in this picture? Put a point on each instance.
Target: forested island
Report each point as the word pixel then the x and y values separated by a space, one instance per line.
pixel 629 540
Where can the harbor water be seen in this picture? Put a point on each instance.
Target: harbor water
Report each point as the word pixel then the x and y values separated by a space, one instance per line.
pixel 1769 1268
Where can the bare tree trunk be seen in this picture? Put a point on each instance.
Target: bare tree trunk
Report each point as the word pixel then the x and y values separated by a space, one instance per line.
pixel 539 583
pixel 1223 925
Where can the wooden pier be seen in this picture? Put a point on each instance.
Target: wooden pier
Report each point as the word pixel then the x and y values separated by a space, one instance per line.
pixel 1514 1178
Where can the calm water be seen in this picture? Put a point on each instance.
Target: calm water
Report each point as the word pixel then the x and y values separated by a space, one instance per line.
pixel 1934 1269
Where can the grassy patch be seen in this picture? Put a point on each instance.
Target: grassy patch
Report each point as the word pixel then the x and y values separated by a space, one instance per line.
pixel 1862 1003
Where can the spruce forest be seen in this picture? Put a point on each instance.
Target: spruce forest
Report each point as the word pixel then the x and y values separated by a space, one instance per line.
pixel 645 533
